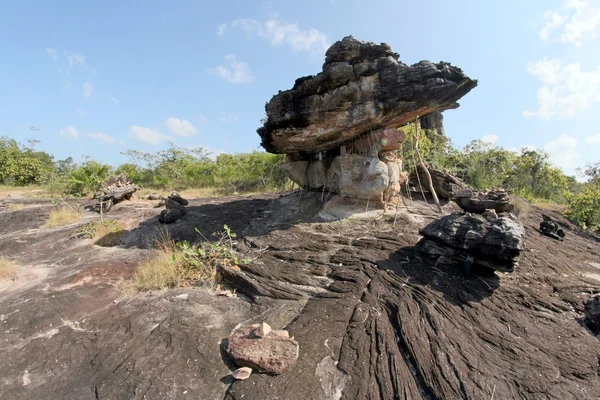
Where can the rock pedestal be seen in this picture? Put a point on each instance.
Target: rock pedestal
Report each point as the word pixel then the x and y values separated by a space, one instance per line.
pixel 338 126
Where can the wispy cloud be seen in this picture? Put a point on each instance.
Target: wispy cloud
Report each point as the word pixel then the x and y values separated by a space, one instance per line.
pixel 75 59
pixel 102 137
pixel 491 139
pixel 179 127
pixel 566 90
pixel 228 117
pixel 69 132
pixel 563 151
pixel 579 22
pixel 221 29
pixel 88 89
pixel 113 99
pixel 147 135
pixel 79 111
pixel 278 32
pixel 237 72
pixel 593 140
pixel 52 53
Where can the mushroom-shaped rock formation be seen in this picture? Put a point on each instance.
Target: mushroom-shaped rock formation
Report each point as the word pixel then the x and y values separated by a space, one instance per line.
pixel 339 127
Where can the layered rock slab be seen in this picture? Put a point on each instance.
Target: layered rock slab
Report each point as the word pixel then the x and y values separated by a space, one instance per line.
pixel 363 87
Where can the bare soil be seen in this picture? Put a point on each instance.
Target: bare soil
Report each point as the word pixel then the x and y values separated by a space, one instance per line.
pixel 373 320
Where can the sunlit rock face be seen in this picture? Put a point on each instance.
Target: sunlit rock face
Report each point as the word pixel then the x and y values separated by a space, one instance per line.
pixel 339 127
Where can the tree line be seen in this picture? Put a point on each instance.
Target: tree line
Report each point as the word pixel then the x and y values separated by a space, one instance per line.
pixel 527 173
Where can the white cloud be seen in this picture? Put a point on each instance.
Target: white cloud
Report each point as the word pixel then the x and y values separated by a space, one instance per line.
pixel 69 132
pixel 566 89
pixel 553 21
pixel 279 32
pixel 239 72
pixel 113 99
pixel 492 139
pixel 75 59
pixel 147 135
pixel 593 140
pixel 80 111
pixel 228 117
pixel 563 151
pixel 102 137
pixel 52 53
pixel 221 29
pixel 180 127
pixel 581 20
pixel 88 89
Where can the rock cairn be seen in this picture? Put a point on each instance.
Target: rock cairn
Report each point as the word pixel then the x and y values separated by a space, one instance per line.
pixel 259 347
pixel 116 189
pixel 477 202
pixel 487 241
pixel 175 208
pixel 339 127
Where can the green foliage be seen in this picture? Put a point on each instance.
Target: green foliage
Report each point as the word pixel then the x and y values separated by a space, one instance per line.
pixel 21 165
pixel 584 207
pixel 87 178
pixel 249 171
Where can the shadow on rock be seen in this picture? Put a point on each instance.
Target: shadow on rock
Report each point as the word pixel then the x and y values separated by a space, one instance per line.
pixel 448 280
pixel 246 217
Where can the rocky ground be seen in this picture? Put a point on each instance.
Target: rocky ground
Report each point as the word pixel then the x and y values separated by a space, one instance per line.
pixel 373 320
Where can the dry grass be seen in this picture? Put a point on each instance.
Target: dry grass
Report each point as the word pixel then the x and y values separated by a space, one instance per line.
pixel 8 269
pixel 62 216
pixel 550 206
pixel 16 207
pixel 23 191
pixel 108 233
pixel 522 207
pixel 183 264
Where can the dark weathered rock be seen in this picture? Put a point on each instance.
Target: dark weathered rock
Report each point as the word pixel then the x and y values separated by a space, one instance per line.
pixel 154 197
pixel 550 228
pixel 494 244
pixel 446 185
pixel 174 205
pixel 477 202
pixel 170 215
pixel 592 310
pixel 177 198
pixel 434 122
pixel 273 354
pixel 362 88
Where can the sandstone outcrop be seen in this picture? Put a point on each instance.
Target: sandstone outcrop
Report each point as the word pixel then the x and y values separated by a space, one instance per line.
pixel 434 122
pixel 477 202
pixel 339 126
pixel 445 184
pixel 471 239
pixel 115 190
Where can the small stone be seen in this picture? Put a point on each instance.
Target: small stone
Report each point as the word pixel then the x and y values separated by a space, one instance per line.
pixel 261 330
pixel 241 374
pixel 183 296
pixel 225 293
pixel 281 333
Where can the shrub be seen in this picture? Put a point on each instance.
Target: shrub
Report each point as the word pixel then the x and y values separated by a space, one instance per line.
pixel 584 207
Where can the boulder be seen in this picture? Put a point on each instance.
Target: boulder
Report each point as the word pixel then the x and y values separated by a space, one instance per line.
pixel 273 353
pixel 494 244
pixel 171 204
pixel 550 228
pixel 435 122
pixel 177 198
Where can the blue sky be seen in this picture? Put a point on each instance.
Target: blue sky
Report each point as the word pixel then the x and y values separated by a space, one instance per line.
pixel 98 78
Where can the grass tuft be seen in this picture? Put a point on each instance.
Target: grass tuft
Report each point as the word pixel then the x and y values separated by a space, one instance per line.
pixel 521 207
pixel 62 216
pixel 108 232
pixel 185 264
pixel 8 269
